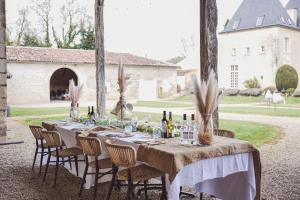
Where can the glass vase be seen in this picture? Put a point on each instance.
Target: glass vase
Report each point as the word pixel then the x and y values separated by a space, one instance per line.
pixel 205 129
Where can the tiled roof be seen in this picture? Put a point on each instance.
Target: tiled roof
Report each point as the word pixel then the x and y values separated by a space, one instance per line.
pixel 259 13
pixel 37 54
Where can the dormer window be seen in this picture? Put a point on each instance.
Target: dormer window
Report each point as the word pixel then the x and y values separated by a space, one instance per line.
pixel 260 20
pixel 282 20
pixel 236 24
pixel 289 21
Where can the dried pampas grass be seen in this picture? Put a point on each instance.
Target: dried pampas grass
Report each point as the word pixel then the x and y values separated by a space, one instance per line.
pixel 207 100
pixel 75 93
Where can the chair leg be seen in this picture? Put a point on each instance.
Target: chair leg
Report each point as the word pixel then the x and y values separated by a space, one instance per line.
pixel 83 179
pixel 41 162
pixel 145 188
pixel 34 158
pixel 70 163
pixel 76 164
pixel 201 196
pixel 164 195
pixel 130 186
pixel 56 170
pixel 47 165
pixel 112 183
pixel 96 179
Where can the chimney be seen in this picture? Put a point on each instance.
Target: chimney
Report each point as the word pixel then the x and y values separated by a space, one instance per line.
pixel 293 13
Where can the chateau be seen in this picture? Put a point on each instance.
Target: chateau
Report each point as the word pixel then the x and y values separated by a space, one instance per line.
pixel 261 36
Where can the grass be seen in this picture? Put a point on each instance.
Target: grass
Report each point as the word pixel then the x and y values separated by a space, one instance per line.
pixel 19 112
pixel 257 134
pixel 162 104
pixel 241 99
pixel 282 112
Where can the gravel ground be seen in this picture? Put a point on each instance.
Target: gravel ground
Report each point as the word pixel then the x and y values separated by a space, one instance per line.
pixel 280 178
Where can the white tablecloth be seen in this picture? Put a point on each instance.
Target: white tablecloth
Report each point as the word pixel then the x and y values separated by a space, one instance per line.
pixel 228 177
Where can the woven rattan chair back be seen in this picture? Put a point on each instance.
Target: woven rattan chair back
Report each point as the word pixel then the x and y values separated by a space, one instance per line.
pixel 36 132
pixel 52 138
pixel 91 146
pixel 121 155
pixel 48 127
pixel 225 133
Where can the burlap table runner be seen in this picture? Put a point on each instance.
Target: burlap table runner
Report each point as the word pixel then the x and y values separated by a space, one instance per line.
pixel 172 157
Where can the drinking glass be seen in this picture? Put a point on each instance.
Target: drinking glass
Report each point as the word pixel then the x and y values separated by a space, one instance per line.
pixel 156 133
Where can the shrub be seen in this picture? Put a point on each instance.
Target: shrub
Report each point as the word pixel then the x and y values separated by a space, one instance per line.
pixel 251 92
pixel 286 77
pixel 290 91
pixel 296 93
pixel 231 92
pixel 252 83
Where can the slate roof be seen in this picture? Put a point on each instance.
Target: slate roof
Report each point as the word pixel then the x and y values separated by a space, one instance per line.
pixel 294 4
pixel 272 11
pixel 75 56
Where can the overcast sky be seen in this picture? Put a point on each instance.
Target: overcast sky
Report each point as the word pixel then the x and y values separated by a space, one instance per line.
pixel 152 28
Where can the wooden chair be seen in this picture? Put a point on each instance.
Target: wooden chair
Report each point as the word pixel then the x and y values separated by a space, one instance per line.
pixel 40 144
pixel 224 133
pixel 92 148
pixel 54 141
pixel 125 156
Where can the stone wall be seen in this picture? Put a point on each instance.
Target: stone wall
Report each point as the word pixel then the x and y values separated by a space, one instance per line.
pixel 31 81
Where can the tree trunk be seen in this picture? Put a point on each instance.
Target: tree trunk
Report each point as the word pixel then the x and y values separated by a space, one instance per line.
pixel 100 62
pixel 209 43
pixel 3 69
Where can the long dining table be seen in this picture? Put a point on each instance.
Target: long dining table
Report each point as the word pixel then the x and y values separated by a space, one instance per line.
pixel 229 169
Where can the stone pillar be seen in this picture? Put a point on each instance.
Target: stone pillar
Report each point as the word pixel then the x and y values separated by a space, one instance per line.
pixel 3 69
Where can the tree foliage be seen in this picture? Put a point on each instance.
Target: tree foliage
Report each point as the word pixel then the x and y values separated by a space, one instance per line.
pixel 87 39
pixel 286 77
pixel 31 39
pixel 43 9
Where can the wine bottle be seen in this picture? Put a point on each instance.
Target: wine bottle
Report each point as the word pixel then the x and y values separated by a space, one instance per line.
pixel 89 113
pixel 184 131
pixel 193 130
pixel 170 125
pixel 93 116
pixel 164 125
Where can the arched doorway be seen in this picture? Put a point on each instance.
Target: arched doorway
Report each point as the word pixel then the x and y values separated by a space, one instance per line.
pixel 59 83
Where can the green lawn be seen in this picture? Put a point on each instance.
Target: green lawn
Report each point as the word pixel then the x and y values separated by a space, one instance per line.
pixel 226 99
pixel 257 134
pixel 19 112
pixel 280 112
pixel 162 104
pixel 240 99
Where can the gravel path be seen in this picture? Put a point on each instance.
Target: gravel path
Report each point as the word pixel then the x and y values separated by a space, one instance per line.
pixel 280 178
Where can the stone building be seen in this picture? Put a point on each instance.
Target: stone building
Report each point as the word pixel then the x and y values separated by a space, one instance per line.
pixel 40 75
pixel 262 36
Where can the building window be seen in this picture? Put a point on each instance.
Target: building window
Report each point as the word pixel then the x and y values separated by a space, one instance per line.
pixel 234 76
pixel 262 50
pixel 260 20
pixel 247 51
pixel 289 21
pixel 236 24
pixel 233 52
pixel 286 44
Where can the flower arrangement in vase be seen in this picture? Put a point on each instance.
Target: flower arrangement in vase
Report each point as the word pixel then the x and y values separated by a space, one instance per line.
pixel 122 109
pixel 207 99
pixel 75 93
